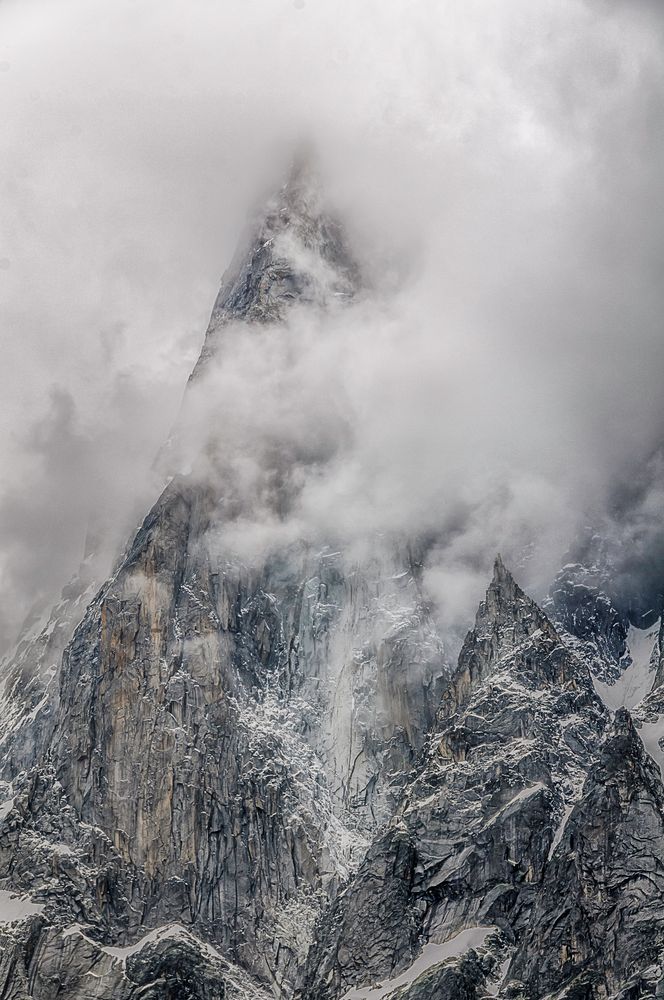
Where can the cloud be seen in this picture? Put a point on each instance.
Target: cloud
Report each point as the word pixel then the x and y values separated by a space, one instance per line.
pixel 497 168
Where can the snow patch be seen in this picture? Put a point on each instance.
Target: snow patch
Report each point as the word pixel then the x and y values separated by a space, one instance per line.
pixel 168 932
pixel 521 796
pixel 73 929
pixel 63 850
pixel 558 836
pixel 5 809
pixel 567 812
pixel 636 681
pixel 431 954
pixel 14 907
pixel 652 733
pixel 31 716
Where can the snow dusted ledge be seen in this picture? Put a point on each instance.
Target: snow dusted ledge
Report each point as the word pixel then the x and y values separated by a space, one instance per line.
pixel 432 954
pixel 170 932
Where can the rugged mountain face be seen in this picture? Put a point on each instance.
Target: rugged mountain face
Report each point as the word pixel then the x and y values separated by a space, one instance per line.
pixel 30 676
pixel 222 739
pixel 228 780
pixel 598 926
pixel 590 619
pixel 471 839
pixel 197 714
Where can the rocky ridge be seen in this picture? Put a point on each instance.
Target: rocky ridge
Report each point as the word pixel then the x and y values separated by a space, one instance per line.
pixel 233 780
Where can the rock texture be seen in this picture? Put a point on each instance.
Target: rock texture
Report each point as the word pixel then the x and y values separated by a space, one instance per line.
pixel 589 617
pixel 29 676
pixel 200 728
pixel 598 925
pixel 221 780
pixel 471 839
pixel 294 255
pixel 219 741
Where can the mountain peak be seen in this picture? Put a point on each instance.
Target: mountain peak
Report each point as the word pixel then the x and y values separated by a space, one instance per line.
pixel 294 252
pixel 506 601
pixel 512 630
pixel 302 188
pixel 503 589
pixel 499 568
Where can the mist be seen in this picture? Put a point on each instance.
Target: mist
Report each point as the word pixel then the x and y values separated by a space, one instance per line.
pixel 497 169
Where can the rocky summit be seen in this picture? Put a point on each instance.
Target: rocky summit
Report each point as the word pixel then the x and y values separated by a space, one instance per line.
pixel 225 779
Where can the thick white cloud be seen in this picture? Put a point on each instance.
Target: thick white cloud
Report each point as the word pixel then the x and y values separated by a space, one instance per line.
pixel 499 170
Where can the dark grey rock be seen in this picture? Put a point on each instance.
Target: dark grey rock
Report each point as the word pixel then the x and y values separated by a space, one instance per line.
pixel 598 918
pixel 230 781
pixel 470 842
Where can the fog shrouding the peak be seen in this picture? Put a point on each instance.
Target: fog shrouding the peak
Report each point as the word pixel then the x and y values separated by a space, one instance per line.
pixel 497 170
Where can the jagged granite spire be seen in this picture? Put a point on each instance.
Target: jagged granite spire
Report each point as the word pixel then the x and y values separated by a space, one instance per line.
pixel 294 252
pixel 507 620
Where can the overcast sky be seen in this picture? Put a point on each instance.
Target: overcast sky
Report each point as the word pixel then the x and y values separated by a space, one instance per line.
pixel 499 168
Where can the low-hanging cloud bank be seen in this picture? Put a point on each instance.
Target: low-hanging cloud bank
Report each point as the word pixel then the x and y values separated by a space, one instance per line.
pixel 497 167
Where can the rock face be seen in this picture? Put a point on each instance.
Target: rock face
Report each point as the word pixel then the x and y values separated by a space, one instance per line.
pixel 197 716
pixel 294 255
pixel 29 677
pixel 219 741
pixel 598 925
pixel 471 839
pixel 169 965
pixel 588 615
pixel 231 780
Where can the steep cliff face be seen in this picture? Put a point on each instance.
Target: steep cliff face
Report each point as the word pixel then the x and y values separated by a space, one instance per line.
pixel 471 839
pixel 598 925
pixel 589 617
pixel 220 740
pixel 233 779
pixel 29 677
pixel 612 624
pixel 233 757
